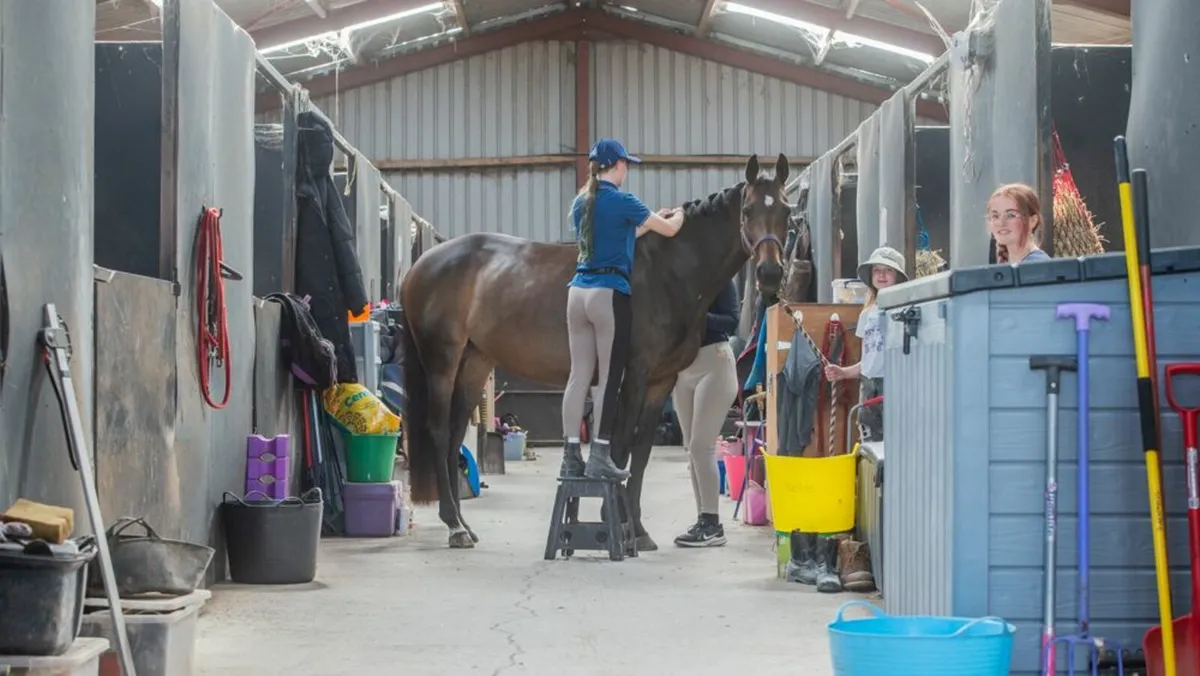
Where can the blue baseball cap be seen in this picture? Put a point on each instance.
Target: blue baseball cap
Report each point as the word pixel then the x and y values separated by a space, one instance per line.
pixel 607 151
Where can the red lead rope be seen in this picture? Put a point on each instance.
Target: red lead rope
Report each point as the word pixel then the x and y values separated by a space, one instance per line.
pixel 212 330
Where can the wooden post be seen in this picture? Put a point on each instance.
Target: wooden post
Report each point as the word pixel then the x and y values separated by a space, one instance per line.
pixel 583 110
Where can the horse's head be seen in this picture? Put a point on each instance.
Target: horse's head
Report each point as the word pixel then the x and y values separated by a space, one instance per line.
pixel 764 222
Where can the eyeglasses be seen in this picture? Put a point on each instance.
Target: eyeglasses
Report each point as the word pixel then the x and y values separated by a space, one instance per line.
pixel 994 217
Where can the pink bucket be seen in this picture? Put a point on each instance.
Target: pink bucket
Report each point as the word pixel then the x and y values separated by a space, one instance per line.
pixel 755 504
pixel 735 474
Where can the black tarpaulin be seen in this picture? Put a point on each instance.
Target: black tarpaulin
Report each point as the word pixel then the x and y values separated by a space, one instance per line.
pixel 820 223
pixel 932 148
pixel 867 199
pixel 896 217
pixel 367 227
pixel 1162 132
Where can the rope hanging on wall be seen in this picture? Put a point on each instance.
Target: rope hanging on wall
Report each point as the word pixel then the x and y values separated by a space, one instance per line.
pixel 833 349
pixel 212 328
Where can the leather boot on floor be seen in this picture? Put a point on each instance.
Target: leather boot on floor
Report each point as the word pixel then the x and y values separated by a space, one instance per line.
pixel 826 556
pixel 854 566
pixel 600 464
pixel 802 567
pixel 572 462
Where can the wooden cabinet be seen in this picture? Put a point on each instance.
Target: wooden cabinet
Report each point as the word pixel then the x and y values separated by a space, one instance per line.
pixel 780 329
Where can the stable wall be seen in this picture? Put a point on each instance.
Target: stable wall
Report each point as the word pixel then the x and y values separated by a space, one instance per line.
pixel 965 430
pixel 162 452
pixel 1162 116
pixel 46 192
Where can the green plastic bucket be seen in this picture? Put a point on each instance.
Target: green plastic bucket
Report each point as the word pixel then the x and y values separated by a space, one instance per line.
pixel 370 458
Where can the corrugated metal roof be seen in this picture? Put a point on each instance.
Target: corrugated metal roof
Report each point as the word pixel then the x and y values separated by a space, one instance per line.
pixel 128 19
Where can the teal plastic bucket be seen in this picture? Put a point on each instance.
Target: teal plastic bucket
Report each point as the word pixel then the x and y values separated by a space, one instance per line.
pixel 919 645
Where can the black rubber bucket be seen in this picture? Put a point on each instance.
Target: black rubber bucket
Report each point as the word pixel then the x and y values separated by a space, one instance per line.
pixel 41 597
pixel 272 541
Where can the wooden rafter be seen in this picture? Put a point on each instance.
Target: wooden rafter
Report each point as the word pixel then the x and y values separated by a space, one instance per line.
pixel 705 24
pixel 1119 8
pixel 317 8
pixel 460 16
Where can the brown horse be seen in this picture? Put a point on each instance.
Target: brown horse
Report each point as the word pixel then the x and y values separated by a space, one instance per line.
pixel 483 300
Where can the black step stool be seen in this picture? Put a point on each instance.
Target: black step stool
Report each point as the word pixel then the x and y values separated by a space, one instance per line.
pixel 614 534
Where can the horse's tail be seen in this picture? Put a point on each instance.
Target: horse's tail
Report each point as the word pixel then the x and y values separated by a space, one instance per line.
pixel 422 456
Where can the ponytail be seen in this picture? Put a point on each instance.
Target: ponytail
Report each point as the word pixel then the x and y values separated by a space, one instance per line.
pixel 588 212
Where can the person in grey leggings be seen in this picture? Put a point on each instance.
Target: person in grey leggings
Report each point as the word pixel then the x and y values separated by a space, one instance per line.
pixel 599 309
pixel 703 394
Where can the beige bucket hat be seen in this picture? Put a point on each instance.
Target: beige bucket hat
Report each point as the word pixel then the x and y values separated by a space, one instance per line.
pixel 884 255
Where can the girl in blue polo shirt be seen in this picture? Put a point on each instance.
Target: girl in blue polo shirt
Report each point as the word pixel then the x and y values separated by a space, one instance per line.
pixel 599 312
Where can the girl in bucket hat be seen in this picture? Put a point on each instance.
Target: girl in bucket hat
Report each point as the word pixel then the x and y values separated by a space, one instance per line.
pixel 884 268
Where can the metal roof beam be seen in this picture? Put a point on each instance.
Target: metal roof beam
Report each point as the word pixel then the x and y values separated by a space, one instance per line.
pixel 874 29
pixel 755 63
pixel 334 20
pixel 589 20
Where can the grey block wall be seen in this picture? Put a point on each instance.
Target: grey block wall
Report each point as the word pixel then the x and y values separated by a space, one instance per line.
pixel 965 430
pixel 46 190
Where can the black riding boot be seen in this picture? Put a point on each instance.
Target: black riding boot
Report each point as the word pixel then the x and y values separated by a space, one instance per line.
pixel 826 555
pixel 572 462
pixel 802 567
pixel 600 464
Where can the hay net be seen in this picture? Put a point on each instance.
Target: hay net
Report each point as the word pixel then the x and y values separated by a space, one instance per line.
pixel 929 261
pixel 1076 232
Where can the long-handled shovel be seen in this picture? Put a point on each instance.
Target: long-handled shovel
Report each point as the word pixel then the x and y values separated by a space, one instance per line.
pixel 1187 627
pixel 1149 419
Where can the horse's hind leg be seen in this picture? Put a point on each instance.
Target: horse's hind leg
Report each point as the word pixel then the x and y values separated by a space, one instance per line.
pixel 441 365
pixel 472 375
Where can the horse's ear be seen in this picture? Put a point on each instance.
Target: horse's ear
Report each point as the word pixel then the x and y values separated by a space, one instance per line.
pixel 752 169
pixel 781 169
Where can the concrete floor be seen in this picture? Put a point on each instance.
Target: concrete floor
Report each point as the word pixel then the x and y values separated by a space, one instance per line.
pixel 410 605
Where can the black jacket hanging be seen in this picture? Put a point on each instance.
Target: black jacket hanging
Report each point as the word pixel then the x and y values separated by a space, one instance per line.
pixel 327 268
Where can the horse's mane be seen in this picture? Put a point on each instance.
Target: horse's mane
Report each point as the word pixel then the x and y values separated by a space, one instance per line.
pixel 716 204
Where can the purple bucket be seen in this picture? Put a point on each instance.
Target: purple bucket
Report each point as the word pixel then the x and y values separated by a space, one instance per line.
pixel 371 508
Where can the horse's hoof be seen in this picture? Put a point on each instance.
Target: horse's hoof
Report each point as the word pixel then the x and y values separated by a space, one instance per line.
pixel 645 543
pixel 461 541
pixel 474 537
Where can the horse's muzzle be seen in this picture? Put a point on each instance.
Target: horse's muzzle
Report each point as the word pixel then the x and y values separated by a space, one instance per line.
pixel 769 275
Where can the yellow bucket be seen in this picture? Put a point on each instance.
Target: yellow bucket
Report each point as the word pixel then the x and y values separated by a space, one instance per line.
pixel 814 495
